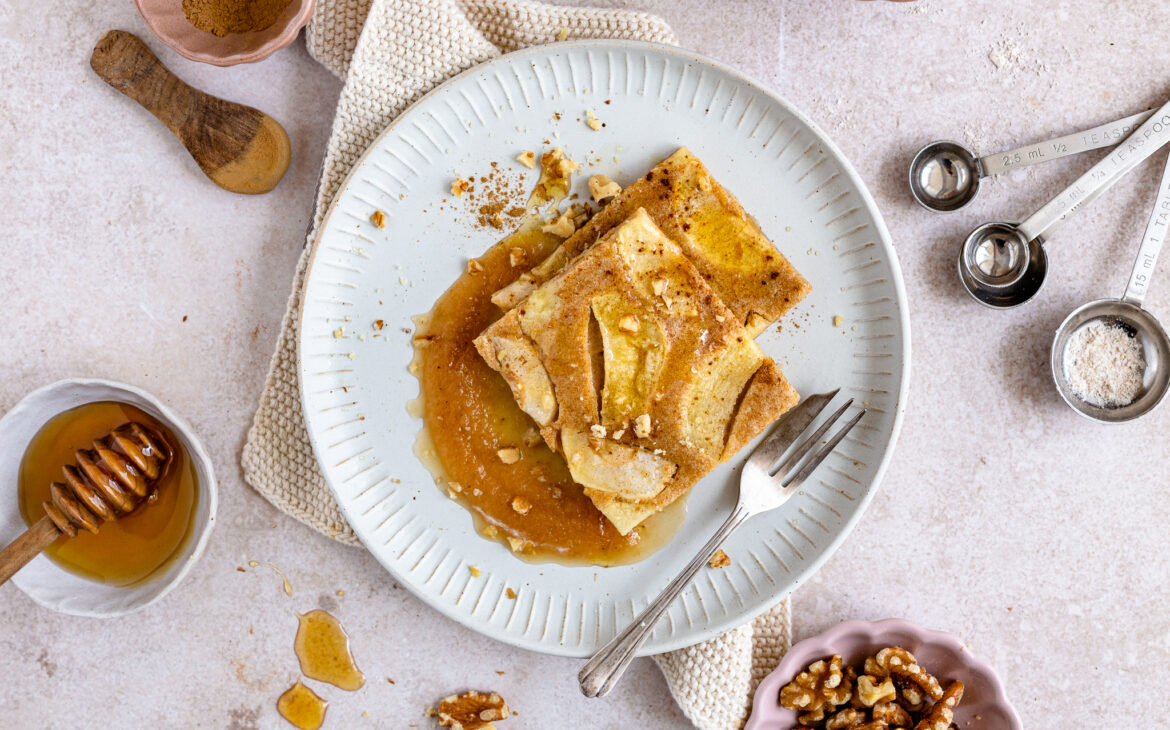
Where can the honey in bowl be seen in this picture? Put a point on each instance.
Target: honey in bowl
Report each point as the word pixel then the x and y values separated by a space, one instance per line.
pixel 135 546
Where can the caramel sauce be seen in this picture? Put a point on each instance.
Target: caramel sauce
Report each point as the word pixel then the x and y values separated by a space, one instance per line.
pixel 322 647
pixel 302 707
pixel 134 546
pixel 469 414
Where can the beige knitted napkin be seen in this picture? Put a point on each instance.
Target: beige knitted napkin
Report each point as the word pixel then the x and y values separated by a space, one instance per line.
pixel 390 53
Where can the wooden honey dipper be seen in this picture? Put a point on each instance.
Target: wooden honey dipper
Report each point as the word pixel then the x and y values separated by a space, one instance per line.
pixel 119 474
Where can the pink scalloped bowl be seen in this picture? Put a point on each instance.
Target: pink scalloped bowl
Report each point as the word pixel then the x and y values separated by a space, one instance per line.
pixel 166 20
pixel 984 706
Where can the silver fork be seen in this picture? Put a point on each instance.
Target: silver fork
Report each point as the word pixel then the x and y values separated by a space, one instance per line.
pixel 761 488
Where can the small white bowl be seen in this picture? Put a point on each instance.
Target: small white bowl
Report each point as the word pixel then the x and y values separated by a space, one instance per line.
pixel 42 579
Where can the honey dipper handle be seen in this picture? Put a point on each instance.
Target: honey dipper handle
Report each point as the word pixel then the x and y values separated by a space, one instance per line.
pixel 26 547
pixel 123 61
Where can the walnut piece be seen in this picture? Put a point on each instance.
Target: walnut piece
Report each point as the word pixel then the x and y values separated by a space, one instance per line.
pixel 516 256
pixel 871 691
pixel 460 186
pixel 642 426
pixel 628 324
pixel 378 218
pixel 892 714
pixel 817 688
pixel 508 455
pixel 527 158
pixel 943 712
pixel 896 661
pixel 846 719
pixel 472 710
pixel 561 226
pixel 592 121
pixel 719 559
pixel 521 506
pixel 473 266
pixel 601 187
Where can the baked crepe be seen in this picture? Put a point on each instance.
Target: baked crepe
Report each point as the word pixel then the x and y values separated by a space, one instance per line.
pixel 635 371
pixel 754 280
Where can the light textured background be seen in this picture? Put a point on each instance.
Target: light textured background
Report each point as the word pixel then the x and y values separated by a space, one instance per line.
pixel 1038 537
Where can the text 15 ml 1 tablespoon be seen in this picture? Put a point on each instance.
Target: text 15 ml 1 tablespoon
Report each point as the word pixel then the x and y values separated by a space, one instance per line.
pixel 1003 265
pixel 944 175
pixel 1131 320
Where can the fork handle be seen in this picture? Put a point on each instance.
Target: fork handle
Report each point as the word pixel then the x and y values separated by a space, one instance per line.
pixel 602 672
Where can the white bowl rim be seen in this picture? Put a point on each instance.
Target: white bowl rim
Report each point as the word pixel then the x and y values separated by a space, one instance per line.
pixel 209 490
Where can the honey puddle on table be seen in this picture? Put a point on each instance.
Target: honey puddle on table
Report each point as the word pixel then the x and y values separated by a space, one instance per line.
pixel 322 647
pixel 302 707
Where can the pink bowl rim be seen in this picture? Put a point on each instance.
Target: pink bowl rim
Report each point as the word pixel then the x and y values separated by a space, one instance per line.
pixel 804 652
pixel 286 37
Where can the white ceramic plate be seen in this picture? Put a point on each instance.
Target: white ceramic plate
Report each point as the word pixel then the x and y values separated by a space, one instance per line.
pixel 355 393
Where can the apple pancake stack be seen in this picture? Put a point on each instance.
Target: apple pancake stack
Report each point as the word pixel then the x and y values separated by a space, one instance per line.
pixel 632 348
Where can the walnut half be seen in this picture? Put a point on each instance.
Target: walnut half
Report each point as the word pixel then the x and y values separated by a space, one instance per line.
pixel 472 710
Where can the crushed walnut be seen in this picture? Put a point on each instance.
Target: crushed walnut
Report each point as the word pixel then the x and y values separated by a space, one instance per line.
pixel 642 426
pixel 597 430
pixel 509 455
pixel 521 505
pixel 601 187
pixel 527 158
pixel 592 121
pixel 474 266
pixel 472 710
pixel 658 286
pixel 892 691
pixel 460 186
pixel 719 559
pixel 378 218
pixel 516 257
pixel 628 323
pixel 561 226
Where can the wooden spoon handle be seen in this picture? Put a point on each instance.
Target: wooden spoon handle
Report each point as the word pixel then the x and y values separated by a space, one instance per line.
pixel 123 61
pixel 26 547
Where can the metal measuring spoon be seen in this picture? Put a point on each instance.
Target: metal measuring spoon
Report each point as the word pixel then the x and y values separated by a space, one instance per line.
pixel 944 175
pixel 1128 314
pixel 1003 265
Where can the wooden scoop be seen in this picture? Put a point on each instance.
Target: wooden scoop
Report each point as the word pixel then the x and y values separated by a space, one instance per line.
pixel 240 148
pixel 117 476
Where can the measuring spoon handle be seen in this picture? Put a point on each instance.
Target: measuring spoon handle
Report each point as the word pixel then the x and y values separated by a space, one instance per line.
pixel 1147 258
pixel 1144 141
pixel 1103 135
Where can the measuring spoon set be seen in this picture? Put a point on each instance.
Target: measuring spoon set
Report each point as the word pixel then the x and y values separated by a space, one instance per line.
pixel 1003 264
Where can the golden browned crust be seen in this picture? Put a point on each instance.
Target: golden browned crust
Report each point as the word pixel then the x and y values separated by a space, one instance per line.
pixel 636 371
pixel 742 266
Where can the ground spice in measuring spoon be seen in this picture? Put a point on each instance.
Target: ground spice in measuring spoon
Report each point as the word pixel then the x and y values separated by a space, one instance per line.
pixel 1105 364
pixel 233 16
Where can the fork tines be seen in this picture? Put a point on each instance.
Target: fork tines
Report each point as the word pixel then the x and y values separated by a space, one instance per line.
pixel 789 430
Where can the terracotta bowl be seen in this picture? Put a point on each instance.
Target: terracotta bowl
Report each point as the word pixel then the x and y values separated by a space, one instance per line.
pixel 984 705
pixel 166 20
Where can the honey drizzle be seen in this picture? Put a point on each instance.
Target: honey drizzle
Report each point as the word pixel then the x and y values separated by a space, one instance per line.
pixel 287 587
pixel 322 647
pixel 302 707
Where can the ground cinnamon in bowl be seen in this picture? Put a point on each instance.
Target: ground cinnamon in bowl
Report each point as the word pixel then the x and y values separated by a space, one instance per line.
pixel 222 17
